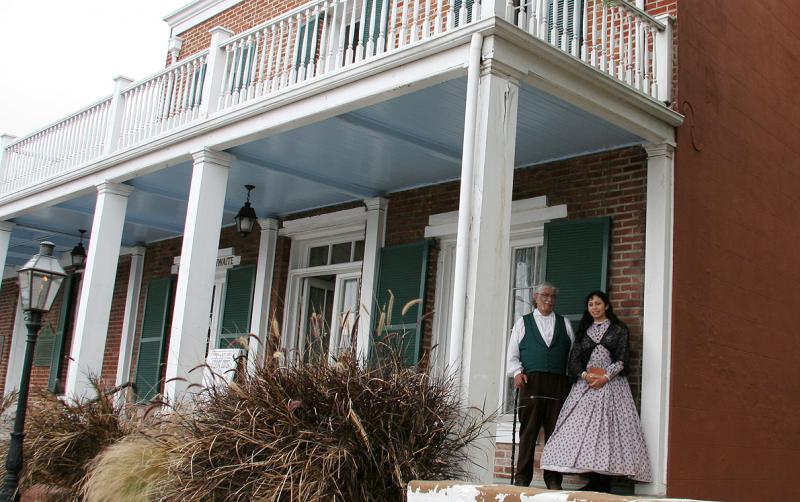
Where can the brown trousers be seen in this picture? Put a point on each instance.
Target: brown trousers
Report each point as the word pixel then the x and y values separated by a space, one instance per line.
pixel 540 401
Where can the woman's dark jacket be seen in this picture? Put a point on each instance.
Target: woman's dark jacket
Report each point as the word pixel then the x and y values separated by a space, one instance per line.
pixel 615 340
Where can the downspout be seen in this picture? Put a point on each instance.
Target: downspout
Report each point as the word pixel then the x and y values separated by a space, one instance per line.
pixel 465 208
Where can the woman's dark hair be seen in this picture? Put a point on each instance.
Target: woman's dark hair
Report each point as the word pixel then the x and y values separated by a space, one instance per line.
pixel 587 320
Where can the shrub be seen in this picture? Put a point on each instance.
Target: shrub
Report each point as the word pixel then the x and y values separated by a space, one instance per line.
pixel 61 437
pixel 316 431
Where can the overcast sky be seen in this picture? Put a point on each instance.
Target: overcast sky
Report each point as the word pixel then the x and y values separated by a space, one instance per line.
pixel 60 55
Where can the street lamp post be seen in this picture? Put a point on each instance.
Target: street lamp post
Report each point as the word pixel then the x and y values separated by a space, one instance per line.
pixel 39 282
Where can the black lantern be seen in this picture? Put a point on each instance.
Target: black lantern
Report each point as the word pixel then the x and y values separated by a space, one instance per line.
pixel 39 282
pixel 78 253
pixel 246 219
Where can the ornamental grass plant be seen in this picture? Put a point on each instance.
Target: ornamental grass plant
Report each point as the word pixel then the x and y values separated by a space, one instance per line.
pixel 317 431
pixel 62 437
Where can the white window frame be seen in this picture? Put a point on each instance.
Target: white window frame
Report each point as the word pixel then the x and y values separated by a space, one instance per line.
pixel 348 225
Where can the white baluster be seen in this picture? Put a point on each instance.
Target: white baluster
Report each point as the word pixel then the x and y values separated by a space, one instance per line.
pixel 148 114
pixel 364 31
pixel 268 73
pixel 637 83
pixel 261 79
pixel 250 72
pixel 437 23
pixel 350 52
pixel 340 53
pixel 238 71
pixel 184 93
pixel 576 18
pixel 612 44
pixel 585 31
pixel 277 79
pixel 476 10
pixel 303 44
pixel 629 52
pixel 415 22
pixel 370 31
pixel 522 13
pixel 291 49
pixel 312 53
pixel 647 63
pixel 404 23
pixel 226 87
pixel 603 40
pixel 323 40
pixel 382 26
pixel 621 45
pixel 462 14
pixel 426 25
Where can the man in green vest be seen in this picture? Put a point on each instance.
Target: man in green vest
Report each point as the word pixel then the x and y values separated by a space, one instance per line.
pixel 537 359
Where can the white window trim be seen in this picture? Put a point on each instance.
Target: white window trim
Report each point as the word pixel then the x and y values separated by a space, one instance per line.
pixel 195 13
pixel 528 217
pixel 305 233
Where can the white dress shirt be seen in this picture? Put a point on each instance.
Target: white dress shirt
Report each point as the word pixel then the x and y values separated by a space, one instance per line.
pixel 546 325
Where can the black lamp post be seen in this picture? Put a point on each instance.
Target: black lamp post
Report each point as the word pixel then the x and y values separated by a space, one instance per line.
pixel 246 218
pixel 78 253
pixel 39 282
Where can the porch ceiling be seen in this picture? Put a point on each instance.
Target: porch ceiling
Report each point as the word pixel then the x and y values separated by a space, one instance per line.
pixel 406 142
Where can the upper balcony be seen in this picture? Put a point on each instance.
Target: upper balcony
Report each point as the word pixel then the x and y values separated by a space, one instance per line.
pixel 324 41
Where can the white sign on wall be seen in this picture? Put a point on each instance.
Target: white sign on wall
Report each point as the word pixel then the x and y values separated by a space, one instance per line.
pixel 225 260
pixel 221 366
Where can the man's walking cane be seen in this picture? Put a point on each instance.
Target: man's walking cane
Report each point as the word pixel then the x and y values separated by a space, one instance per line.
pixel 514 437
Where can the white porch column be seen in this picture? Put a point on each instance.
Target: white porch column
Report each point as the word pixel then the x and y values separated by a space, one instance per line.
pixel 131 313
pixel 17 352
pixel 375 235
pixel 97 291
pixel 262 297
pixel 187 344
pixel 5 238
pixel 657 312
pixel 487 267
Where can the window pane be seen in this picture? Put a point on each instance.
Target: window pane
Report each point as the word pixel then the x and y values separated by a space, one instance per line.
pixel 341 253
pixel 318 256
pixel 347 313
pixel 524 278
pixel 358 253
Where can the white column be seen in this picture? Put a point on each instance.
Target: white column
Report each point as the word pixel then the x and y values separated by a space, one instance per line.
pixel 131 313
pixel 187 344
pixel 97 291
pixel 262 298
pixel 374 237
pixel 115 114
pixel 657 313
pixel 5 238
pixel 487 266
pixel 215 71
pixel 5 140
pixel 17 352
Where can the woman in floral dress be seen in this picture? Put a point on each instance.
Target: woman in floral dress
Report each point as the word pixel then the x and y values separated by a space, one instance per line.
pixel 598 430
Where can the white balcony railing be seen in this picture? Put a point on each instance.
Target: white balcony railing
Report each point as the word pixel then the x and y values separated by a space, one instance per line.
pixel 315 40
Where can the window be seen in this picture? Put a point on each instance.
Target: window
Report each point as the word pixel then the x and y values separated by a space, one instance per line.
pixel 332 254
pixel 525 263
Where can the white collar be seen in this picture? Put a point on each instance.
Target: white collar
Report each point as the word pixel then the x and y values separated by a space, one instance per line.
pixel 539 314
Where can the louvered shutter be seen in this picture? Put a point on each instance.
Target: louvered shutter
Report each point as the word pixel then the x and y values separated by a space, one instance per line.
pixel 237 306
pixel 62 329
pixel 576 261
pixel 403 270
pixel 44 346
pixel 457 10
pixel 559 5
pixel 157 310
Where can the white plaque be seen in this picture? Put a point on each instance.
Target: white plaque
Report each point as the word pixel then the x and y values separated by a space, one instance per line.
pixel 221 366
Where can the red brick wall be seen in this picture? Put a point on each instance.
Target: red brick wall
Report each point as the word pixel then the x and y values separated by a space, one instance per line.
pixel 239 18
pixel 733 427
pixel 114 335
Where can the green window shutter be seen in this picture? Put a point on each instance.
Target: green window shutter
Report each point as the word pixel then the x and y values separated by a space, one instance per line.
pixel 237 306
pixel 44 346
pixel 157 310
pixel 383 10
pixel 576 261
pixel 403 270
pixel 64 319
pixel 559 4
pixel 457 10
pixel 304 57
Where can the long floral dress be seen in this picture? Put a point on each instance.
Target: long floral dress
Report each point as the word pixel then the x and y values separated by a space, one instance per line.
pixel 598 430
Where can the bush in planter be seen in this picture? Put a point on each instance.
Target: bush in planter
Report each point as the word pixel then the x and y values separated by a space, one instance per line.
pixel 313 431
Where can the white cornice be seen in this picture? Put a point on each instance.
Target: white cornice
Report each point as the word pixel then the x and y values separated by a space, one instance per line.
pixel 195 13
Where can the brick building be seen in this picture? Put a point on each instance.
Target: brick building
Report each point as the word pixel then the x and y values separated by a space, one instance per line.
pixel 453 153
